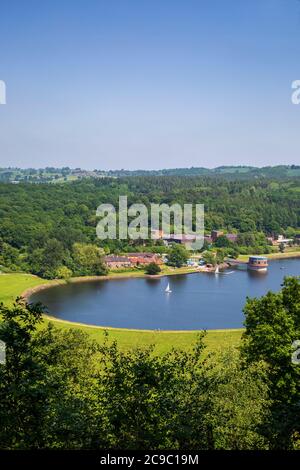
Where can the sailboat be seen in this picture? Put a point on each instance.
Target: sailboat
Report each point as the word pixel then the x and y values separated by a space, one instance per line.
pixel 168 290
pixel 217 269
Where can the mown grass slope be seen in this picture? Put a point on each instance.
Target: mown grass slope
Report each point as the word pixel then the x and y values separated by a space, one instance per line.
pixel 12 285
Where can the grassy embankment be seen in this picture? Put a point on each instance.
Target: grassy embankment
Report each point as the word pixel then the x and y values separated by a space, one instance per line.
pixel 12 285
pixel 288 253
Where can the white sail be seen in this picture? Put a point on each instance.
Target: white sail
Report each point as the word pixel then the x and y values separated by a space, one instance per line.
pixel 168 288
pixel 217 269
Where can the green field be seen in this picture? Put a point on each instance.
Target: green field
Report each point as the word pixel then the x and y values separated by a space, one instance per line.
pixel 288 253
pixel 12 285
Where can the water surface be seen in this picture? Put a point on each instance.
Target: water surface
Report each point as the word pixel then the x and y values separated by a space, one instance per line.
pixel 197 301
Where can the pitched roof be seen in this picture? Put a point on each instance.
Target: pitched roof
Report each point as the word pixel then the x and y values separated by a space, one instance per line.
pixel 117 259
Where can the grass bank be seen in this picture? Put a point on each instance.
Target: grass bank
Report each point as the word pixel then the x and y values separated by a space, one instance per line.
pixel 13 285
pixel 288 253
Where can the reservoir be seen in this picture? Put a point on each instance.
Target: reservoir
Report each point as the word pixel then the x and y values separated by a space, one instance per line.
pixel 197 301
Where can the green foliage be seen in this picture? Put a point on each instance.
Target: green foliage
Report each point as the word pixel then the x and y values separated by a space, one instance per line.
pixel 236 425
pixel 272 325
pixel 63 273
pixel 209 257
pixel 223 242
pixel 232 252
pixel 38 220
pixel 45 261
pixel 21 378
pixel 60 390
pixel 177 256
pixel 88 259
pixel 220 255
pixel 152 269
pixel 240 172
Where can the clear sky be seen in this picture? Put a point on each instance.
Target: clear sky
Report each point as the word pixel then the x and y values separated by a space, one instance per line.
pixel 149 83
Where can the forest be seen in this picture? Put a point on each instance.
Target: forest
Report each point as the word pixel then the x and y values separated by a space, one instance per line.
pixel 51 174
pixel 59 389
pixel 49 229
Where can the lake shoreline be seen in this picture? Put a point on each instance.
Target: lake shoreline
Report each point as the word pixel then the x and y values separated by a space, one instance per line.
pixel 28 293
pixel 110 277
pixel 128 275
pixel 273 256
pixel 59 282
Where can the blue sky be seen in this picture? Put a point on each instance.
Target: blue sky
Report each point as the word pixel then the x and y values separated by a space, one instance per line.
pixel 149 84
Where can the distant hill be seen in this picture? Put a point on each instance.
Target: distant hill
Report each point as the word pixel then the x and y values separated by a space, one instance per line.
pixel 281 171
pixel 66 174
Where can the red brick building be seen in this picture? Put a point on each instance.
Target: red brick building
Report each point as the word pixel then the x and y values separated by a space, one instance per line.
pixel 114 262
pixel 144 258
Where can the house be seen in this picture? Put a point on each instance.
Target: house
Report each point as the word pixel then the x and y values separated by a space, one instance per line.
pixel 183 239
pixel 208 239
pixel 113 261
pixel 193 261
pixel 281 239
pixel 144 258
pixel 216 234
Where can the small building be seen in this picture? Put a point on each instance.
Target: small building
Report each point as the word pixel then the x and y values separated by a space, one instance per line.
pixel 114 262
pixel 144 258
pixel 193 261
pixel 183 239
pixel 216 234
pixel 285 241
pixel 258 263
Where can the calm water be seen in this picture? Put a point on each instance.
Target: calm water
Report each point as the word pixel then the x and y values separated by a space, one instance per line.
pixel 197 300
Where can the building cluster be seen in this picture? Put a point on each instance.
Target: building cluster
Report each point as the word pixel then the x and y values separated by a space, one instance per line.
pixel 132 260
pixel 280 240
pixel 188 239
pixel 215 234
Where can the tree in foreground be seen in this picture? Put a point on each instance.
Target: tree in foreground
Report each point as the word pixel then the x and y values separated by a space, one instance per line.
pixel 272 326
pixel 61 390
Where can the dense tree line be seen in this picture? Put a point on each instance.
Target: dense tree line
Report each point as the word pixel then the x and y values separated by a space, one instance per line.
pixel 59 389
pixel 273 335
pixel 42 175
pixel 41 225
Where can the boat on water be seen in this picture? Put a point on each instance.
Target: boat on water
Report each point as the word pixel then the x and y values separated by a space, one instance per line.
pixel 258 263
pixel 217 270
pixel 167 289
